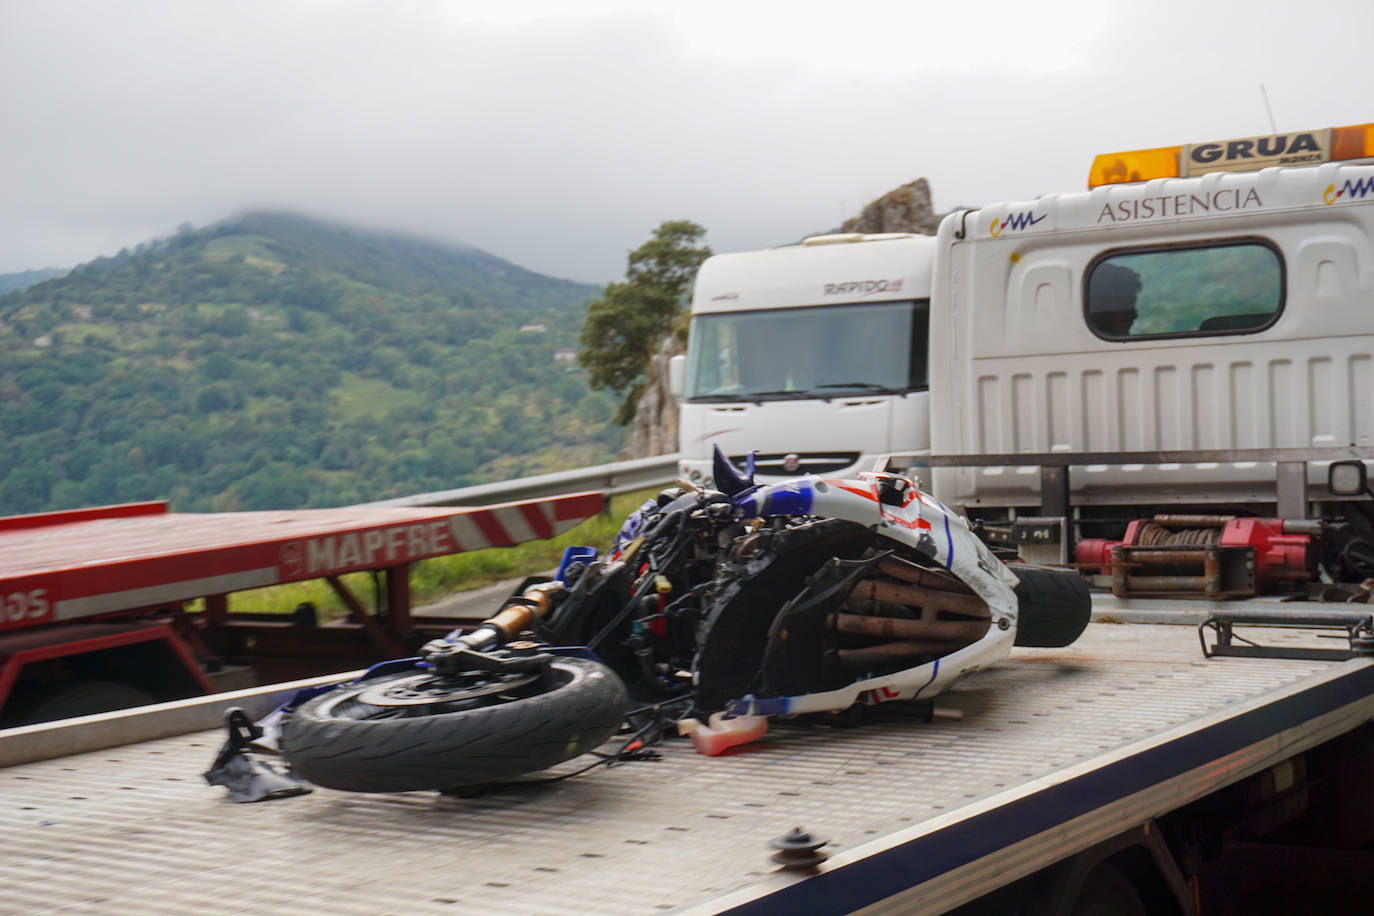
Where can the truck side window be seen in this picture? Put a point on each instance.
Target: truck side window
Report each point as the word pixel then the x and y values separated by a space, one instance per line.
pixel 1195 290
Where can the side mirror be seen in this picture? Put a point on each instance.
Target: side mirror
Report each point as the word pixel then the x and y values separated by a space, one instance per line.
pixel 1347 478
pixel 677 375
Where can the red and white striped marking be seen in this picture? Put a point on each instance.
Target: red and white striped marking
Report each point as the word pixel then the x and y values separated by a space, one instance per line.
pixel 77 565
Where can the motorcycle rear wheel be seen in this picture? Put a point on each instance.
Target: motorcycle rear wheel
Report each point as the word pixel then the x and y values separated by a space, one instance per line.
pixel 415 731
pixel 1055 606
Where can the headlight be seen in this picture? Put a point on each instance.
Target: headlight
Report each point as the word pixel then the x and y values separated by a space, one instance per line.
pixel 1347 478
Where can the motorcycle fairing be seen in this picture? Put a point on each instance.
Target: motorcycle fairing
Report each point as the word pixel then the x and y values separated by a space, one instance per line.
pixel 895 508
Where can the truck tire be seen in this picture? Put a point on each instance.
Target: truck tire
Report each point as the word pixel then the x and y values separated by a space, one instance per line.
pixel 1054 606
pixel 412 731
pixel 1107 891
pixel 87 699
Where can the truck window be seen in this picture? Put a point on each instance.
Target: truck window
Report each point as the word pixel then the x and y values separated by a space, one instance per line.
pixel 820 351
pixel 1227 287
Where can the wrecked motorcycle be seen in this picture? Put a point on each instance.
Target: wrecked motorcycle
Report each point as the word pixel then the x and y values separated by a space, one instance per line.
pixel 812 595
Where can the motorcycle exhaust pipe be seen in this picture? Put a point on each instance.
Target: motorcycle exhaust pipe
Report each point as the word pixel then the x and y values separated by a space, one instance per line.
pixel 931 599
pixel 966 631
pixel 916 575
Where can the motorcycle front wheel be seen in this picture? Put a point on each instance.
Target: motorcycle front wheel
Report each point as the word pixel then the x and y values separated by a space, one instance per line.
pixel 416 730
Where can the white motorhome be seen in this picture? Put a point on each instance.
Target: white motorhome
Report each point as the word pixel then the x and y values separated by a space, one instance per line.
pixel 813 354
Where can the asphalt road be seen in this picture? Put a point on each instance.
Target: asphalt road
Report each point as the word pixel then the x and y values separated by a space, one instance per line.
pixel 477 603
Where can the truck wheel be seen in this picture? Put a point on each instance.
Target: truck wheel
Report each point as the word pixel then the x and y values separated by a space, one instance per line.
pixel 1108 892
pixel 87 699
pixel 413 730
pixel 1054 606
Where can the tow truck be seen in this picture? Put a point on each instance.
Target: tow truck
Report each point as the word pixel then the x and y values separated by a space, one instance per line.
pixel 1193 752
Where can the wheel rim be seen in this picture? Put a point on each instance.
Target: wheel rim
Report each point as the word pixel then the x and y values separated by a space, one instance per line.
pixel 426 694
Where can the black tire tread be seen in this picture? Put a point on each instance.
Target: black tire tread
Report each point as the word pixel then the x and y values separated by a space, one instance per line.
pixel 1055 606
pixel 450 750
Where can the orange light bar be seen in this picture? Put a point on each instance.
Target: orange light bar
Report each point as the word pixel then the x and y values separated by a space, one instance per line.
pixel 1137 165
pixel 1246 154
pixel 1353 142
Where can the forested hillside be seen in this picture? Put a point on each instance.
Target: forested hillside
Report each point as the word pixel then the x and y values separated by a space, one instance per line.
pixel 276 361
pixel 25 279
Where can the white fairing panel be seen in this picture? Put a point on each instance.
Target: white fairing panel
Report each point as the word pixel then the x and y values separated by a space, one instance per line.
pixel 1024 373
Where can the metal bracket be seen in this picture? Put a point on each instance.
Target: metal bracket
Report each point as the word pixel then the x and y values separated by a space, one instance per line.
pixel 1358 626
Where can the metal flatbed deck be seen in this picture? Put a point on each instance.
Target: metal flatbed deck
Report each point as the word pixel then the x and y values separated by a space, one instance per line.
pixel 1129 722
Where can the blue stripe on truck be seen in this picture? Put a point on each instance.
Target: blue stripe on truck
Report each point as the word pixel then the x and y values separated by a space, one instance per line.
pixel 876 877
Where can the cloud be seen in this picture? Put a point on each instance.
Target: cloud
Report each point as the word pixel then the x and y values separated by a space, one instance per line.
pixel 559 135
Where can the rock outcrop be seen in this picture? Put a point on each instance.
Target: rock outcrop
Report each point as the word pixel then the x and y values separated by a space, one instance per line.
pixel 904 209
pixel 654 430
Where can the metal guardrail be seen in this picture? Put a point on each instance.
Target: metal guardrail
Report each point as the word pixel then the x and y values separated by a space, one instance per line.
pixel 1290 465
pixel 1154 456
pixel 614 478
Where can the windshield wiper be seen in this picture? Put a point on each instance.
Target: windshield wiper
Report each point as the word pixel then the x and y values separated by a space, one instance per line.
pixel 780 394
pixel 864 386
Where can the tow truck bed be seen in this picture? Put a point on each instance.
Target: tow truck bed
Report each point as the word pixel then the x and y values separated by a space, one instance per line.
pixel 1057 750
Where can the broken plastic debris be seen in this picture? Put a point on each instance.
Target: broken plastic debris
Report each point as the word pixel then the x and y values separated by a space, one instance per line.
pixel 722 732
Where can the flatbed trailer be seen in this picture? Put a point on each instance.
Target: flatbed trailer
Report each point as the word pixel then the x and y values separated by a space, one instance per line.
pixel 93 601
pixel 1062 758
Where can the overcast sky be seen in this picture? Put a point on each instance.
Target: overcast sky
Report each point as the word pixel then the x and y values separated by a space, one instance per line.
pixel 559 134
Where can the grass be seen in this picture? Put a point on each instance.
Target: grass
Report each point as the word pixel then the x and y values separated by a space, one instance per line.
pixel 358 396
pixel 256 251
pixel 432 579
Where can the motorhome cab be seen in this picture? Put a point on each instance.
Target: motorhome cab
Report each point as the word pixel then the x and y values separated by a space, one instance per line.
pixel 812 354
pixel 1185 332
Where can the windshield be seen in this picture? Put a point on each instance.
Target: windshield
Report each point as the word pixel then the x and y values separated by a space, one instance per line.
pixel 814 351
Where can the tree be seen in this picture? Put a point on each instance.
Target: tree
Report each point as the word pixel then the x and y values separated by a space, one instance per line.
pixel 625 326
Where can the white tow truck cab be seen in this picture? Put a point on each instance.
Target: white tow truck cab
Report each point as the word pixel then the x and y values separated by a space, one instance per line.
pixel 813 354
pixel 1182 330
pixel 1192 335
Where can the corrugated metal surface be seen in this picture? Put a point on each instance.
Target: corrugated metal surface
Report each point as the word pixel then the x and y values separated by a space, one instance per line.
pixel 135 829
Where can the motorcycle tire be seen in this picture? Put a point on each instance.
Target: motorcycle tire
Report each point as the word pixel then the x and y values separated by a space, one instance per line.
pixel 411 731
pixel 1055 606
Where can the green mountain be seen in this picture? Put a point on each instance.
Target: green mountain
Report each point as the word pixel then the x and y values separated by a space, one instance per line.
pixel 274 361
pixel 26 278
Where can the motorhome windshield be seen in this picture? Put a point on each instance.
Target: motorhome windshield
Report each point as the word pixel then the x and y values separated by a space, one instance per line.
pixel 809 352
